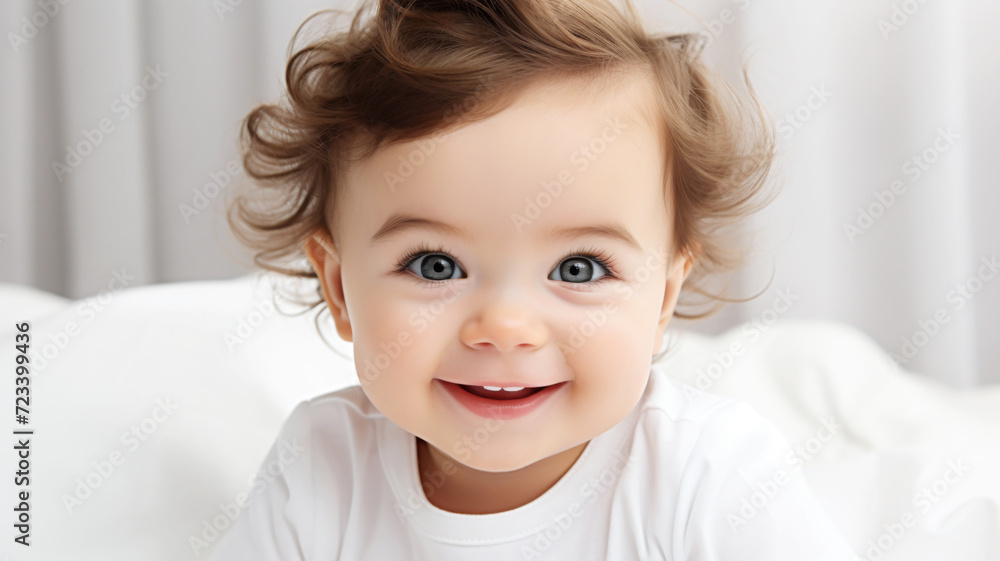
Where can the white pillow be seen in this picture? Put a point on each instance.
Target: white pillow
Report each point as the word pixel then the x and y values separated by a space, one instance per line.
pixel 208 369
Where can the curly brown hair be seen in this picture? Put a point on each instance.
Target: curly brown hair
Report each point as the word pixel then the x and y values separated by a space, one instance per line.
pixel 415 68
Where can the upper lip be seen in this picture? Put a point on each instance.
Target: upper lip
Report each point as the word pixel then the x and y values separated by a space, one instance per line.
pixel 505 384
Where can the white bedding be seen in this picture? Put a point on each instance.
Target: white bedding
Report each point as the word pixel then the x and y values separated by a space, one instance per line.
pixel 205 372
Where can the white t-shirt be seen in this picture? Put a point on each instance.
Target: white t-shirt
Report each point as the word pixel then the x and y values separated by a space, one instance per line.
pixel 687 475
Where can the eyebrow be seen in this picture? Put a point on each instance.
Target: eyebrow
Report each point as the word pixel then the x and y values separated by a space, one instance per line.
pixel 399 223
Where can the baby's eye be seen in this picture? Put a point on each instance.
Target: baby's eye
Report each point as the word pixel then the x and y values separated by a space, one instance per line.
pixel 435 267
pixel 577 270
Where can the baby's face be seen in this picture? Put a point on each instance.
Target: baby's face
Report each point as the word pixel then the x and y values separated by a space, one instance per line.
pixel 527 250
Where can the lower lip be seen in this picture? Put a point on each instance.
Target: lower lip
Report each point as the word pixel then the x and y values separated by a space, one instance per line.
pixel 501 409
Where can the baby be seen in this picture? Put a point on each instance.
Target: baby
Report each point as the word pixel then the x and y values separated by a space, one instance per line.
pixel 501 201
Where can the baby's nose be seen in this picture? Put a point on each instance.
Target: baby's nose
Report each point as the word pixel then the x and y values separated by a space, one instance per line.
pixel 506 325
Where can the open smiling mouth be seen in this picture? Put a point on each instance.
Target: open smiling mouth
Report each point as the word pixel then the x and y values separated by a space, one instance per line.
pixel 496 392
pixel 498 402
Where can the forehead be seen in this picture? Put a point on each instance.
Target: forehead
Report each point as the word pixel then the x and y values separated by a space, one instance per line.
pixel 588 149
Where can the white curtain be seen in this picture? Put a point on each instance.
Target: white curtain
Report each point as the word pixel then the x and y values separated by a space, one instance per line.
pixel 120 119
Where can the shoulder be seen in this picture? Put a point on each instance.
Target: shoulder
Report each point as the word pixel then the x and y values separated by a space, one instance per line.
pixel 330 435
pixel 728 463
pixel 301 497
pixel 676 402
pixel 349 403
pixel 336 421
pixel 326 445
pixel 698 429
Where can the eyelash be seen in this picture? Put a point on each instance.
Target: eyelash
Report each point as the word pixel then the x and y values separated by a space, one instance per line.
pixel 600 256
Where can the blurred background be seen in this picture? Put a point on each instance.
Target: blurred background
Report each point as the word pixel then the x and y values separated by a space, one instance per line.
pixel 118 147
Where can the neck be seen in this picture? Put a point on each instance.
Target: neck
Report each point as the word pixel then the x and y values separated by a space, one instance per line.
pixel 471 491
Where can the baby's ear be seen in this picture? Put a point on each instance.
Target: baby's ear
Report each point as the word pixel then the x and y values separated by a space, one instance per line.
pixel 317 250
pixel 322 254
pixel 681 266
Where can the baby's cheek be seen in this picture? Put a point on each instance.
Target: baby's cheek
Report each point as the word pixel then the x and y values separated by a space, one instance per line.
pixel 607 385
pixel 395 363
pixel 384 339
pixel 617 356
pixel 387 324
pixel 619 360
